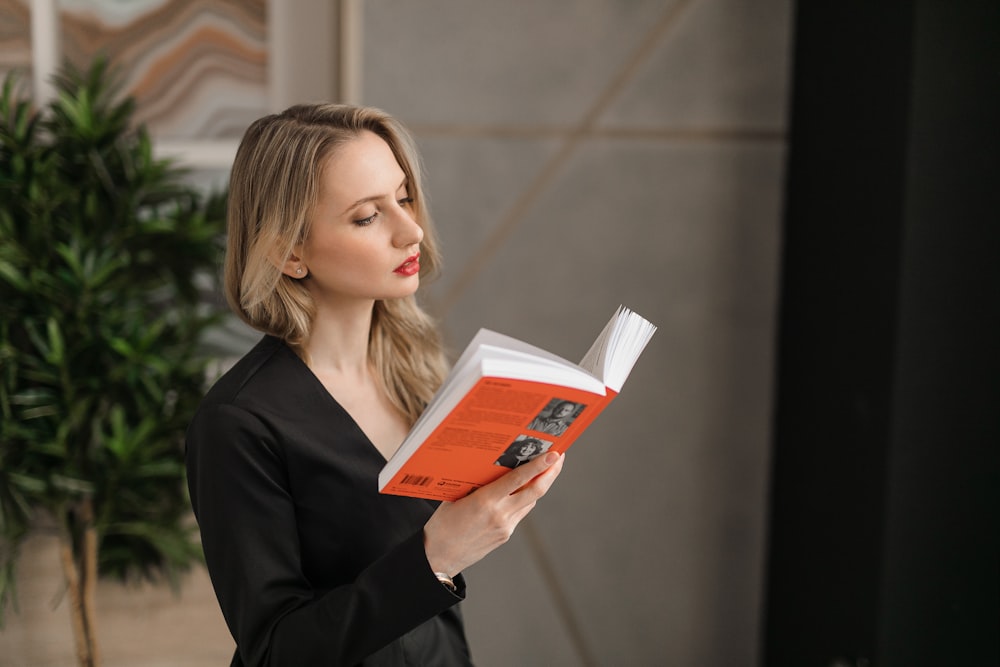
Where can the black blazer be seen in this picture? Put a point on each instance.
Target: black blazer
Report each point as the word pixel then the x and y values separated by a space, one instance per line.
pixel 311 565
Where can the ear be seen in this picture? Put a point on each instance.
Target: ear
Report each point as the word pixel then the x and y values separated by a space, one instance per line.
pixel 292 266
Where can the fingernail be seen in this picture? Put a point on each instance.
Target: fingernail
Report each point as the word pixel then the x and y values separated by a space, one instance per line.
pixel 551 458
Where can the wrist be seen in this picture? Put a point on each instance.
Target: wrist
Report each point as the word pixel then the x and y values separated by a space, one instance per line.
pixel 438 563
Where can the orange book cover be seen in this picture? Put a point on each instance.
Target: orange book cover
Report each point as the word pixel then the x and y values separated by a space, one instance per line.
pixel 506 402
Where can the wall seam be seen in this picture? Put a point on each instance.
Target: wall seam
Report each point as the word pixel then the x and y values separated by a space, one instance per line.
pixel 518 210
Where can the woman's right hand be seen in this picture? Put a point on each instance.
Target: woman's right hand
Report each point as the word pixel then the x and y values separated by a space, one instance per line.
pixel 461 533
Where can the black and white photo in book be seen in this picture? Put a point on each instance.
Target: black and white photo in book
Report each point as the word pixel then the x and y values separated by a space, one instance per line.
pixel 556 417
pixel 522 450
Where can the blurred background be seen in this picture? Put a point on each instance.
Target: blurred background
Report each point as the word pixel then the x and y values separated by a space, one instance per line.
pixel 798 197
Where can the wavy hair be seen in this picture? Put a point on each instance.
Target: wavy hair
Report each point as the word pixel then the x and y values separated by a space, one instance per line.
pixel 274 184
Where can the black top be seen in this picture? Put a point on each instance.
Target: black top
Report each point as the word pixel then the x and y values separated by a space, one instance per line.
pixel 311 565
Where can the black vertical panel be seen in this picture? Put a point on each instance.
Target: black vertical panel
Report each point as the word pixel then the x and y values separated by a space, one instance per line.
pixel 885 513
pixel 843 223
pixel 941 592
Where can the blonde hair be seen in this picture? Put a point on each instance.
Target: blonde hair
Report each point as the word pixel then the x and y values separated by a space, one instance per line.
pixel 274 185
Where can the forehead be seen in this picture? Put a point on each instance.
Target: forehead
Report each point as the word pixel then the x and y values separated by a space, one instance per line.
pixel 364 166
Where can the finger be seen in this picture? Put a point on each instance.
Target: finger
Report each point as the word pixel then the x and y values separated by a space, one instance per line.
pixel 539 485
pixel 521 476
pixel 543 482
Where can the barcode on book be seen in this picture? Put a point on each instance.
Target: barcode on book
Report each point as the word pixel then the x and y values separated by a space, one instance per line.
pixel 417 480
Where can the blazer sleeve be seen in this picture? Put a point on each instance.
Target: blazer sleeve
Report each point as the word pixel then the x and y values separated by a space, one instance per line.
pixel 241 497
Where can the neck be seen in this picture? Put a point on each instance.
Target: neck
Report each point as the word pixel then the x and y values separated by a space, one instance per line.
pixel 339 338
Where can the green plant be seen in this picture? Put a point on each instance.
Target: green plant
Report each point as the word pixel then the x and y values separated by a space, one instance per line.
pixel 105 256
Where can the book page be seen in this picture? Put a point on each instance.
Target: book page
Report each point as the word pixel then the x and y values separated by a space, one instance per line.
pixel 617 348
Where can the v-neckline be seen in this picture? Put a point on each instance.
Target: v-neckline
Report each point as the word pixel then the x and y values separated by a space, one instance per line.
pixel 319 386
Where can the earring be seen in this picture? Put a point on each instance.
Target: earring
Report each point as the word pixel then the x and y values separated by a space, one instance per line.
pixel 298 271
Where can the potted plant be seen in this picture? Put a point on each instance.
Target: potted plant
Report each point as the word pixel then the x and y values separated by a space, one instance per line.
pixel 105 260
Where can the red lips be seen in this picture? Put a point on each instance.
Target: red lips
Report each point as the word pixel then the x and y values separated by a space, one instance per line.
pixel 410 267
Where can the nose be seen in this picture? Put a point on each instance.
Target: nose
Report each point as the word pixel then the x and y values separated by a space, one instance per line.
pixel 406 231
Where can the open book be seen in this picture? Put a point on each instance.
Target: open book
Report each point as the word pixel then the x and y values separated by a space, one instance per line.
pixel 506 402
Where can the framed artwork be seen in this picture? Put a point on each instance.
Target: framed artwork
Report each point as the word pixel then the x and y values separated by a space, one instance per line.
pixel 198 69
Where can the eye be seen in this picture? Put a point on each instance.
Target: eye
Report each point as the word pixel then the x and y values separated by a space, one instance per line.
pixel 405 201
pixel 364 222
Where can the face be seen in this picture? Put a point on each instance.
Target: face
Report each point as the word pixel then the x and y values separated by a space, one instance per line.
pixel 528 449
pixel 564 410
pixel 364 243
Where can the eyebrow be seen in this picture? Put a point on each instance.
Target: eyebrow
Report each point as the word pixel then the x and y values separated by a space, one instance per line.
pixel 365 200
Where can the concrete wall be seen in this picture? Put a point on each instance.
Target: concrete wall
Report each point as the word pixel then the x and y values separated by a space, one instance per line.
pixel 581 155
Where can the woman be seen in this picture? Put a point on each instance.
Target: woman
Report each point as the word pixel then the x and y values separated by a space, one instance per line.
pixel 328 238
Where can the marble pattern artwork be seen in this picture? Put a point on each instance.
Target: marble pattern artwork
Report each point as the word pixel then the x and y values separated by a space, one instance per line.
pixel 15 38
pixel 197 68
